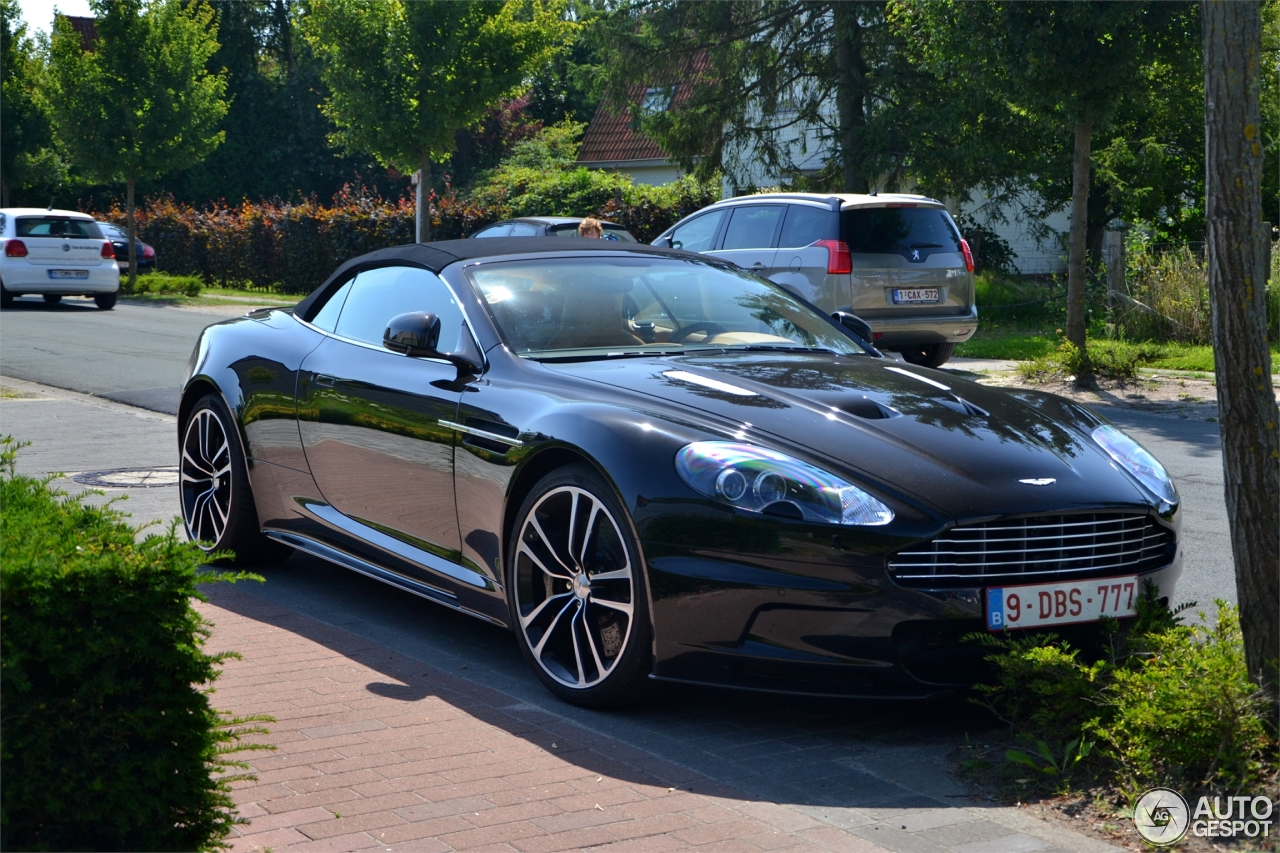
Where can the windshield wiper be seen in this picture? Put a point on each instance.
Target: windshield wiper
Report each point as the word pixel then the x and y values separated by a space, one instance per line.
pixel 925 246
pixel 775 348
pixel 606 356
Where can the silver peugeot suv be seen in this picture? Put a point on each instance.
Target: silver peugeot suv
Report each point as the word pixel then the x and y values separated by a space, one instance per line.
pixel 897 261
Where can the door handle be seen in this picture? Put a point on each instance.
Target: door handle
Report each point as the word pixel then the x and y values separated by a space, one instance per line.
pixel 322 379
pixel 757 265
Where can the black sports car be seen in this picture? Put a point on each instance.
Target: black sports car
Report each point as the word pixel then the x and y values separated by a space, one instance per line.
pixel 650 464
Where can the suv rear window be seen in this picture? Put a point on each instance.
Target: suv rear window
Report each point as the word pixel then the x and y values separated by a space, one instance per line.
pixel 898 230
pixel 58 226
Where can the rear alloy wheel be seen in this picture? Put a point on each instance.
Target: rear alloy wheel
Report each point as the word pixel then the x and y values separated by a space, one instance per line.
pixel 106 301
pixel 217 502
pixel 928 355
pixel 53 298
pixel 577 592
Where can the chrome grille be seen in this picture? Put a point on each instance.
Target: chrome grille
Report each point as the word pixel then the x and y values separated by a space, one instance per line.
pixel 1040 548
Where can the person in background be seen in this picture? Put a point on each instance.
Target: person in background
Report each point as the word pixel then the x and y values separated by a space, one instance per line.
pixel 591 227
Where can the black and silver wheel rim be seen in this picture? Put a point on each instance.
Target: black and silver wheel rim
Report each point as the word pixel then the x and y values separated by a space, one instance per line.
pixel 574 589
pixel 206 478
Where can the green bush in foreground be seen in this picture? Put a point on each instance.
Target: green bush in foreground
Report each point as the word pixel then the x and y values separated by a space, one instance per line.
pixel 1167 705
pixel 168 285
pixel 108 738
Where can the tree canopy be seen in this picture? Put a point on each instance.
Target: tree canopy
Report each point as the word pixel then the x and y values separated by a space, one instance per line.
pixel 403 77
pixel 139 100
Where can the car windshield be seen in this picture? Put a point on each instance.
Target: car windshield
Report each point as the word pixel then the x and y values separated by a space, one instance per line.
pixel 611 306
pixel 57 226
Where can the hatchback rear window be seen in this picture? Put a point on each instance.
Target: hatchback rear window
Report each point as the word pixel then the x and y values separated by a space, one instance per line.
pixel 896 230
pixel 58 226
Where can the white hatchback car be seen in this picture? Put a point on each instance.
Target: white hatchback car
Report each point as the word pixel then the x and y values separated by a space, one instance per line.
pixel 56 253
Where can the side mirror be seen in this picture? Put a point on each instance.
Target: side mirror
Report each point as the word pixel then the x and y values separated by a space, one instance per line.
pixel 663 243
pixel 417 333
pixel 857 326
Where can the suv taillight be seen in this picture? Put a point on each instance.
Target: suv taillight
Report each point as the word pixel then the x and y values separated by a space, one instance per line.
pixel 148 252
pixel 15 249
pixel 968 255
pixel 108 250
pixel 839 259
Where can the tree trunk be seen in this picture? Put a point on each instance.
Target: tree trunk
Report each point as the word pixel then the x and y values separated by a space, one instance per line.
pixel 1242 363
pixel 1076 251
pixel 133 232
pixel 423 199
pixel 850 92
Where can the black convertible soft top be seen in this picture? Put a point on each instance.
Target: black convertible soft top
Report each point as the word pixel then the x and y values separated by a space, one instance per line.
pixel 437 256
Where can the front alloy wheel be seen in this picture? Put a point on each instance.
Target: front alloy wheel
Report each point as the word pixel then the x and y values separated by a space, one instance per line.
pixel 577 592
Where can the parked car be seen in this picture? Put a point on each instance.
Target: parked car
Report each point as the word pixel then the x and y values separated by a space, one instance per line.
pixel 119 237
pixel 56 253
pixel 895 260
pixel 550 226
pixel 650 464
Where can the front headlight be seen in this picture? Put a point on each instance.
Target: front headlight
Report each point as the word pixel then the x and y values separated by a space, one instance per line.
pixel 1137 461
pixel 761 480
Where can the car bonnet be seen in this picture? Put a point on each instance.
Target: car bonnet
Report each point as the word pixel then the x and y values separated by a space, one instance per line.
pixel 967 450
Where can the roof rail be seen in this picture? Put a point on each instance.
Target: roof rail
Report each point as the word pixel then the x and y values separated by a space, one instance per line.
pixel 833 201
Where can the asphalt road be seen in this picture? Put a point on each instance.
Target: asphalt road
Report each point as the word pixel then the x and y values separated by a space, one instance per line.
pixel 136 355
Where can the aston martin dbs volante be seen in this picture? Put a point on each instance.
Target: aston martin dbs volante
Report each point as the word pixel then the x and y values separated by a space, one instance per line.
pixel 652 465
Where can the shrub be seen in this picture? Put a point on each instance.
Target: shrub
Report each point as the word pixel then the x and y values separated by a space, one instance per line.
pixel 1110 360
pixel 1169 287
pixel 1162 704
pixel 110 742
pixel 1187 717
pixel 168 285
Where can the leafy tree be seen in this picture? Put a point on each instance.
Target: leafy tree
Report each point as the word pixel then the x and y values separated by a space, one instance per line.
pixel 139 101
pixel 1072 63
pixel 404 76
pixel 1242 360
pixel 276 137
pixel 27 155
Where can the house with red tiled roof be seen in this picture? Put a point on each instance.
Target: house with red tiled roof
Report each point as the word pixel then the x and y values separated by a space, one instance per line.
pixel 613 143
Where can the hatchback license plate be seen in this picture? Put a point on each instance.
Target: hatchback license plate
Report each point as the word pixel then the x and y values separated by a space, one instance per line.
pixel 1038 605
pixel 68 273
pixel 915 294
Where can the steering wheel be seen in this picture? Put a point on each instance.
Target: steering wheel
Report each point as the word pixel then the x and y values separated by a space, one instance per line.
pixel 711 330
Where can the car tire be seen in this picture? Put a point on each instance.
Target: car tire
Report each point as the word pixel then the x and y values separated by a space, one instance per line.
pixel 588 638
pixel 52 298
pixel 217 500
pixel 928 355
pixel 6 297
pixel 106 301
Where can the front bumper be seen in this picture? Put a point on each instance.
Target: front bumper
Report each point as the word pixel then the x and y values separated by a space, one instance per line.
pixel 791 627
pixel 907 331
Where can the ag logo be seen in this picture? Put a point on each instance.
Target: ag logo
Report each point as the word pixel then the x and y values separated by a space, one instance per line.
pixel 1161 816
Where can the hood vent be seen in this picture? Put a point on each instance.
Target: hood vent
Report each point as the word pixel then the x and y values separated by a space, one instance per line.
pixel 963 406
pixel 868 409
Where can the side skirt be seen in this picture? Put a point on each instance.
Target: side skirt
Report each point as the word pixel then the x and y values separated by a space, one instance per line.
pixel 358 564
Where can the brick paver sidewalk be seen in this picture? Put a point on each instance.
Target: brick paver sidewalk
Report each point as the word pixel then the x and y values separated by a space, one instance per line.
pixel 436 763
pixel 378 750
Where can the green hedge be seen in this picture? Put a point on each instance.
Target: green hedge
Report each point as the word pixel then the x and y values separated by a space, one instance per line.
pixel 294 247
pixel 108 738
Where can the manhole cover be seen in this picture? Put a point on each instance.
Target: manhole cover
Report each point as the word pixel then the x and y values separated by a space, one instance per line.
pixel 129 478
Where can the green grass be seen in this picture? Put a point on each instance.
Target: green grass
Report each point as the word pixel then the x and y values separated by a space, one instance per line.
pixel 166 289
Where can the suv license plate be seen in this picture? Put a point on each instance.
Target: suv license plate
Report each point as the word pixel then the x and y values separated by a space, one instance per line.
pixel 68 273
pixel 1041 604
pixel 915 295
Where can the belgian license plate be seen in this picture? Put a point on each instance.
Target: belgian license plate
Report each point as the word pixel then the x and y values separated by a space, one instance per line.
pixel 907 296
pixel 1038 605
pixel 68 273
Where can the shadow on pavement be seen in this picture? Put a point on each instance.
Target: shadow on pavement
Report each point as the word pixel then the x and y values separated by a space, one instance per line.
pixel 823 755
